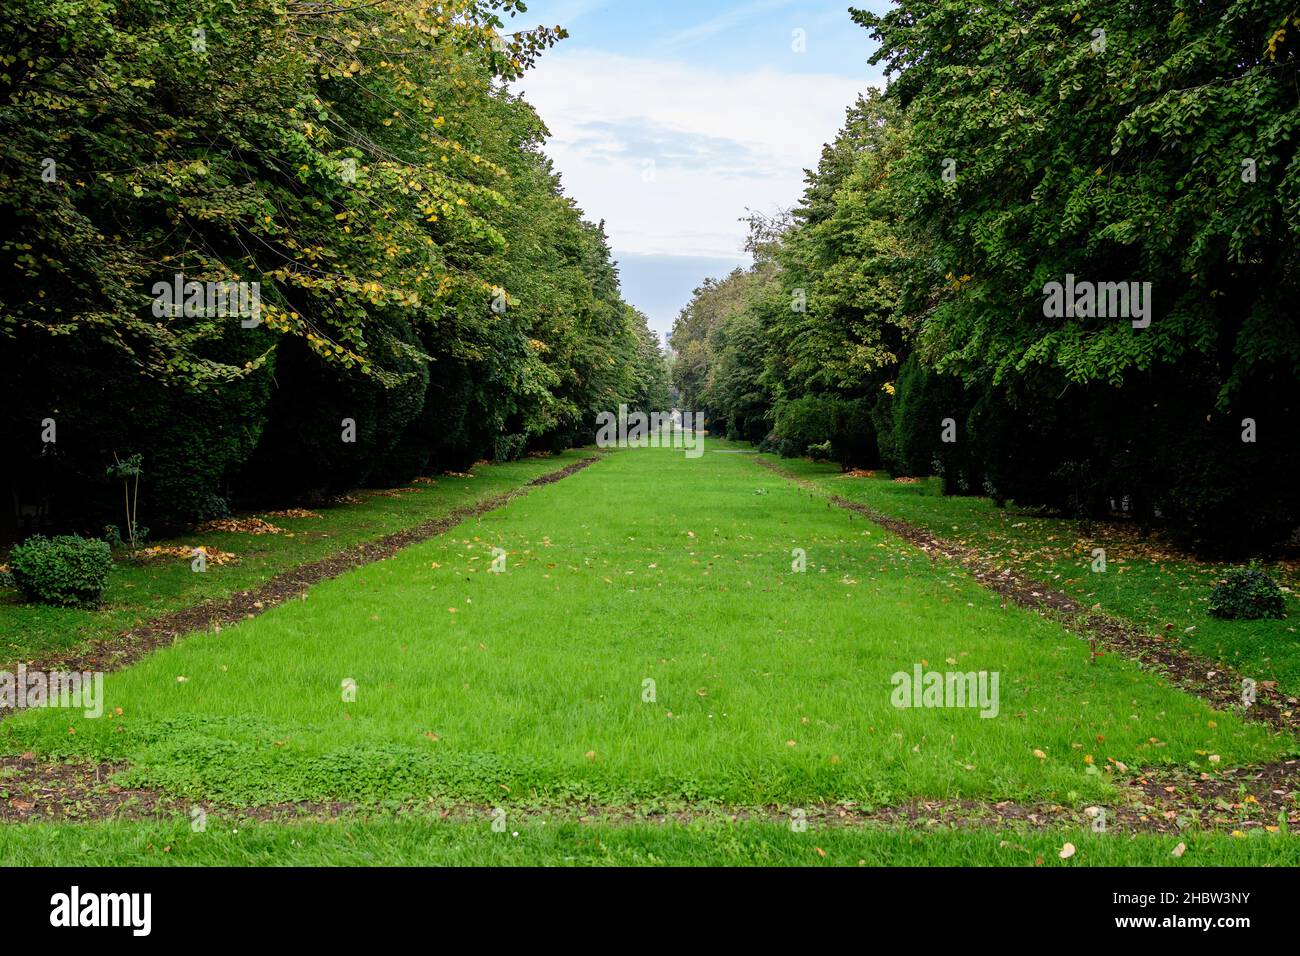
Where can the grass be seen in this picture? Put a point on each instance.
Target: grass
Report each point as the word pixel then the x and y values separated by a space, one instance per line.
pixel 529 687
pixel 138 591
pixel 1146 581
pixel 406 842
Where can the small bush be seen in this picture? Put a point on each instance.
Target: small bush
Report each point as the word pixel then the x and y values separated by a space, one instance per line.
pixel 805 421
pixel 821 452
pixel 63 570
pixel 826 428
pixel 1247 594
pixel 509 447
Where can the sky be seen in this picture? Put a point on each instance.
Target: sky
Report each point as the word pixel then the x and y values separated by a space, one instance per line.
pixel 671 119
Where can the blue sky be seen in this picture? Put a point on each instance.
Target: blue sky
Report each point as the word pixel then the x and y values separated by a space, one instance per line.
pixel 670 119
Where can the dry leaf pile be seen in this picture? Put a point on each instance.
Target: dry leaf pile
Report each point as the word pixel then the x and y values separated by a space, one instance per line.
pixel 239 526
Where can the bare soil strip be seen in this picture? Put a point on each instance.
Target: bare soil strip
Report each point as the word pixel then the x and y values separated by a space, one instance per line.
pixel 1217 684
pixel 1168 801
pixel 127 647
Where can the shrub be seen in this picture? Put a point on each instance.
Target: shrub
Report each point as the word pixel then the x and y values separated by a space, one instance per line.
pixel 923 401
pixel 854 442
pixel 1247 594
pixel 191 440
pixel 805 421
pixel 509 447
pixel 882 421
pixel 827 428
pixel 1225 497
pixel 63 570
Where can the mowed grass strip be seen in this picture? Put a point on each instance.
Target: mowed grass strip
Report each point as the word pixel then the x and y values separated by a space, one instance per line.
pixel 532 685
pixel 141 590
pixel 410 842
pixel 1146 581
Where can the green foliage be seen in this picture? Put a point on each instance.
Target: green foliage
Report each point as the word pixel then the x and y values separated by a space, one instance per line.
pixel 802 423
pixel 929 423
pixel 222 158
pixel 825 427
pixel 1112 158
pixel 509 447
pixel 1247 594
pixel 64 570
pixel 716 368
pixel 855 443
pixel 839 323
pixel 820 452
pixel 652 385
pixel 421 271
pixel 816 315
pixel 1011 149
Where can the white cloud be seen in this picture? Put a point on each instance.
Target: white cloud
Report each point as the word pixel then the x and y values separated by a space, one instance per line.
pixel 719 142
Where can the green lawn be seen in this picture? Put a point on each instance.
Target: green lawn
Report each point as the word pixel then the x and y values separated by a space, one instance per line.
pixel 561 843
pixel 1145 581
pixel 526 687
pixel 138 591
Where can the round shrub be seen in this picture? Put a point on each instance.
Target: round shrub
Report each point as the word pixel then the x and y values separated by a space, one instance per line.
pixel 63 570
pixel 804 421
pixel 1247 594
pixel 821 451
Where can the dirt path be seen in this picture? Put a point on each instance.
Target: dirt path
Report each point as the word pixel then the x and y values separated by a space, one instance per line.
pixel 1166 801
